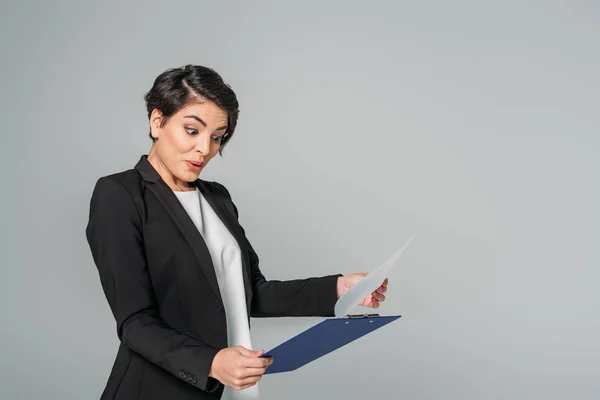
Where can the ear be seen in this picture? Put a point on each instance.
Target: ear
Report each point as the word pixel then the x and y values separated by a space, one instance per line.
pixel 156 119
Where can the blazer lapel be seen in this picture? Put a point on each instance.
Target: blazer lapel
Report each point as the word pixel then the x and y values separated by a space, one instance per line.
pixel 183 221
pixel 232 225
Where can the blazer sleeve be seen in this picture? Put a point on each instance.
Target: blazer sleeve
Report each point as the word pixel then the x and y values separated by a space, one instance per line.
pixel 315 296
pixel 114 234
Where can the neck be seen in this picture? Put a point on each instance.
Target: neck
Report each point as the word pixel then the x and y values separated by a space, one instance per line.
pixel 171 180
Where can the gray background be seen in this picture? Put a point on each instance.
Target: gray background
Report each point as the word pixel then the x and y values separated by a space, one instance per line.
pixel 472 125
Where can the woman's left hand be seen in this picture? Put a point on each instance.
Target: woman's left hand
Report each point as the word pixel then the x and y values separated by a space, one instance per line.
pixel 373 300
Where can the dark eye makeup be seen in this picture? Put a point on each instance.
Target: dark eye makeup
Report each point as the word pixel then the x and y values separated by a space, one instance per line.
pixel 193 131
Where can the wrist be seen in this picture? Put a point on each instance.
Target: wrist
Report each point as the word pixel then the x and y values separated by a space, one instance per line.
pixel 212 371
pixel 340 286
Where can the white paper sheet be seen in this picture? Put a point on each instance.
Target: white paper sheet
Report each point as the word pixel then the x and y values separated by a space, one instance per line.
pixel 367 285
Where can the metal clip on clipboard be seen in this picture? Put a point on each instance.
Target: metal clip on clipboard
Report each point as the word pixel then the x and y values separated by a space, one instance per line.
pixel 354 316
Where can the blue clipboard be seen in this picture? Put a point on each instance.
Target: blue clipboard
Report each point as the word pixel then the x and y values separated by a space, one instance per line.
pixel 322 339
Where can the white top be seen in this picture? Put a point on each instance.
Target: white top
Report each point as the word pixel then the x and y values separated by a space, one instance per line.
pixel 227 260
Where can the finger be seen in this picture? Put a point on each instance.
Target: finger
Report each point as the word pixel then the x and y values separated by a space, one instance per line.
pixel 245 383
pixel 251 372
pixel 257 362
pixel 381 289
pixel 375 296
pixel 270 359
pixel 246 386
pixel 249 353
pixel 374 304
pixel 259 353
pixel 378 296
pixel 378 291
pixel 385 282
pixel 244 351
pixel 242 387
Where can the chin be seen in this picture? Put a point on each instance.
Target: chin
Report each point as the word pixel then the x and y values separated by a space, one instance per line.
pixel 191 176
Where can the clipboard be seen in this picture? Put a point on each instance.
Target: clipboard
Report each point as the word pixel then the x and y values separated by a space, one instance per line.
pixel 333 333
pixel 322 339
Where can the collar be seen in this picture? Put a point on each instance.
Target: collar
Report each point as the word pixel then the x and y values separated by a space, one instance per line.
pixel 146 170
pixel 149 174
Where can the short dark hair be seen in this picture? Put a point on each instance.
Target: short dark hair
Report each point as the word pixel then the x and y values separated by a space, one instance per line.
pixel 176 88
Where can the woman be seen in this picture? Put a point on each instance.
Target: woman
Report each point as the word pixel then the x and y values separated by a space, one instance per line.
pixel 179 274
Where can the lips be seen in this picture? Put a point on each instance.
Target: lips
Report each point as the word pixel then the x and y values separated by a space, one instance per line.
pixel 195 164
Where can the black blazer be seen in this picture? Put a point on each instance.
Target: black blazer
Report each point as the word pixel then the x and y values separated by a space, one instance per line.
pixel 159 280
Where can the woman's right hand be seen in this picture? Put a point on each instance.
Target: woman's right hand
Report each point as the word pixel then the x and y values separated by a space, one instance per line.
pixel 239 367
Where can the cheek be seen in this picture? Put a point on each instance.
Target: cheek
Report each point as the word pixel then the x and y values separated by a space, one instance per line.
pixel 180 142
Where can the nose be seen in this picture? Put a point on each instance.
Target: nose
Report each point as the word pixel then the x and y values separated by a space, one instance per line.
pixel 203 143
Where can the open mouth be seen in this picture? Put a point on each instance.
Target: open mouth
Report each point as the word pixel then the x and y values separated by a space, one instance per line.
pixel 195 164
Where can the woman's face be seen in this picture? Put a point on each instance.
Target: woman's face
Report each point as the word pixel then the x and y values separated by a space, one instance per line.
pixel 186 142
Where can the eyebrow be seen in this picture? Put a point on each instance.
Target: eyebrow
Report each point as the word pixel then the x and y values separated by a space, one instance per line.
pixel 204 123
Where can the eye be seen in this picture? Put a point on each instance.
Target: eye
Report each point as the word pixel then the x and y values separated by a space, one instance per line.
pixel 191 131
pixel 217 138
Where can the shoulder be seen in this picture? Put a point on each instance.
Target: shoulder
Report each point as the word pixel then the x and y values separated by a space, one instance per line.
pixel 118 184
pixel 128 180
pixel 119 190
